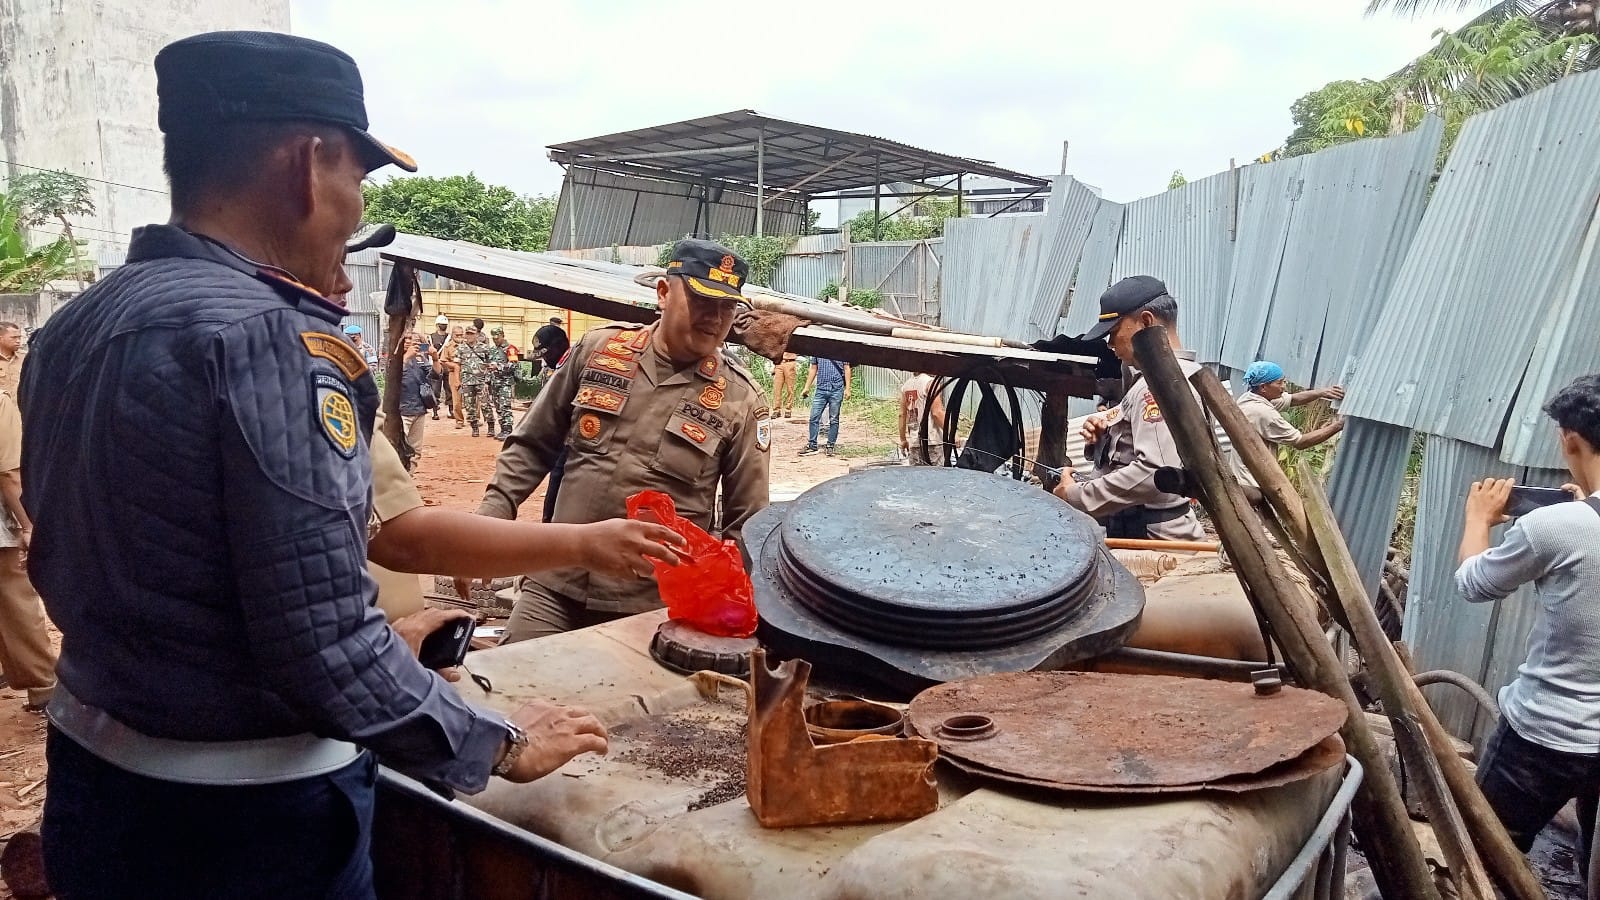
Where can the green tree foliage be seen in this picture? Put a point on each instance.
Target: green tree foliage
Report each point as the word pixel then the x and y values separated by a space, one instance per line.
pixel 928 222
pixel 463 208
pixel 763 254
pixel 1468 71
pixel 24 269
pixel 1177 180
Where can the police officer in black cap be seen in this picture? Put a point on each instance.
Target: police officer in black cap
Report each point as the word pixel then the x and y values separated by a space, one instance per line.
pixel 200 484
pixel 1132 440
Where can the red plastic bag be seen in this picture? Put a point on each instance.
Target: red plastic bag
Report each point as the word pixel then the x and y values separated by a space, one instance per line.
pixel 709 588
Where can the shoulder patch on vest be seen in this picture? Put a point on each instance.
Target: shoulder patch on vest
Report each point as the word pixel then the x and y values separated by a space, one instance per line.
pixel 337 351
pixel 1151 411
pixel 763 429
pixel 336 415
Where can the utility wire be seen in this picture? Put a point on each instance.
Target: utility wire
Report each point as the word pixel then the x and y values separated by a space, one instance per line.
pixel 133 187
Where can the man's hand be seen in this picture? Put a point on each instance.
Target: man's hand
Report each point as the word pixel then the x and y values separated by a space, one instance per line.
pixel 415 628
pixel 1092 427
pixel 1576 491
pixel 555 734
pixel 620 547
pixel 1335 392
pixel 1486 501
pixel 464 586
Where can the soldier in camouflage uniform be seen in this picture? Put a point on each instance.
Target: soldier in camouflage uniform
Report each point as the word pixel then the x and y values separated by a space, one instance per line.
pixel 476 357
pixel 502 378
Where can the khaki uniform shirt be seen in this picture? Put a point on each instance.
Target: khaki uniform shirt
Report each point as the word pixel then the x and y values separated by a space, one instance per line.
pixel 1266 418
pixel 11 372
pixel 1141 443
pixel 393 493
pixel 628 428
pixel 10 459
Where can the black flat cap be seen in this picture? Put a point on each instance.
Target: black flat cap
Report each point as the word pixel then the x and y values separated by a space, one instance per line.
pixel 1126 296
pixel 262 76
pixel 711 269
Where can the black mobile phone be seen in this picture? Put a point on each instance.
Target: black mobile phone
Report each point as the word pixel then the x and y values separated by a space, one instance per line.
pixel 1525 500
pixel 447 645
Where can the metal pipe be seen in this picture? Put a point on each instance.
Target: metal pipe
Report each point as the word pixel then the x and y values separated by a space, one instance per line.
pixel 959 197
pixel 1331 823
pixel 1187 663
pixel 877 199
pixel 814 175
pixel 761 179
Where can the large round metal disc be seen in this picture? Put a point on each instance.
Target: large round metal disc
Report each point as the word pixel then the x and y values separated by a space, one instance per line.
pixel 940 542
pixel 1104 731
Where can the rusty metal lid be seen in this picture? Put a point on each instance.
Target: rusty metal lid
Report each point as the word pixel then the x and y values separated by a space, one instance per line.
pixel 906 629
pixel 1103 732
pixel 683 648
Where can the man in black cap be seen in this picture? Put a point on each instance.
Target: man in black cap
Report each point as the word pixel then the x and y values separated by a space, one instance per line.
pixel 1131 441
pixel 636 408
pixel 201 491
pixel 550 343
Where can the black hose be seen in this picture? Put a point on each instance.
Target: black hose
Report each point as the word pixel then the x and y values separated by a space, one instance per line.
pixel 1473 689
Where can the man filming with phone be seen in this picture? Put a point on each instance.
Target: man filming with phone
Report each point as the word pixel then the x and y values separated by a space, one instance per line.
pixel 1546 748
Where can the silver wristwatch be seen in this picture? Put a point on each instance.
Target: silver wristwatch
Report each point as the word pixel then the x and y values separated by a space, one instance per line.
pixel 516 741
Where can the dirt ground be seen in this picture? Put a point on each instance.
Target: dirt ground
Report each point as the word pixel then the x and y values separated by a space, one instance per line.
pixel 451 473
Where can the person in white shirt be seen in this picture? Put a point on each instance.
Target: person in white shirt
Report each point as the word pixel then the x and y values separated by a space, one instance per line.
pixel 913 400
pixel 1546 748
pixel 1263 406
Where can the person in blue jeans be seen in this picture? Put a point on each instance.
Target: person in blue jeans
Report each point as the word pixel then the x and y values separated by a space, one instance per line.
pixel 831 379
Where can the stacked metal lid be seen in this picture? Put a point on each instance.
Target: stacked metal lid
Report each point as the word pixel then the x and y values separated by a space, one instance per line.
pixel 915 575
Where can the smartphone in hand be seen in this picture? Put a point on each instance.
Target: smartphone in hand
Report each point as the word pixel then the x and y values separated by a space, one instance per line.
pixel 1525 499
pixel 447 646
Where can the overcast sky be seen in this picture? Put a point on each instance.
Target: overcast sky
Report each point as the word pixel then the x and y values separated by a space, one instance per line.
pixel 1139 89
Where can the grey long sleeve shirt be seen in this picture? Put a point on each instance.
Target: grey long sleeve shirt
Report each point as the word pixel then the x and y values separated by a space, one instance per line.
pixel 1555 699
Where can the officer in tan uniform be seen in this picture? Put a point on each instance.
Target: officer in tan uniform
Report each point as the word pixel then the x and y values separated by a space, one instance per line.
pixel 11 357
pixel 1131 441
pixel 635 408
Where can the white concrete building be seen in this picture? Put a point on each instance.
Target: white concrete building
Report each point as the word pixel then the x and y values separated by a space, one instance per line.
pixel 78 93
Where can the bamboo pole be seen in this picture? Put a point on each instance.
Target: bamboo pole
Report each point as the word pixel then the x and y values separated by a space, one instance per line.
pixel 1379 810
pixel 1503 861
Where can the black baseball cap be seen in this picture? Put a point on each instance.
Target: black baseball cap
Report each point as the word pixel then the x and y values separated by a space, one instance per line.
pixel 1127 296
pixel 262 76
pixel 710 269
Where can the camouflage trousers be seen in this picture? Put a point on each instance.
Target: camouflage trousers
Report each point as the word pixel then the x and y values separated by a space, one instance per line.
pixel 475 395
pixel 500 389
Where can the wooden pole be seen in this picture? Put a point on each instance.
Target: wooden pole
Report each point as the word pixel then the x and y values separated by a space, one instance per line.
pixel 394 427
pixel 1052 451
pixel 1390 677
pixel 1170 546
pixel 1392 673
pixel 1379 810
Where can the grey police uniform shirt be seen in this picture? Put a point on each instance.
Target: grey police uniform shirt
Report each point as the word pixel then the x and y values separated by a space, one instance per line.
pixel 1141 443
pixel 195 433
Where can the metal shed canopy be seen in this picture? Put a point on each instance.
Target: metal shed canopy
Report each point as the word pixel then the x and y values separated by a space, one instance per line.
pixel 747 149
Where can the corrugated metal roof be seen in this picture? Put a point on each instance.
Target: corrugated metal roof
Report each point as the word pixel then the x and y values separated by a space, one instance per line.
pixel 826 159
pixel 1320 239
pixel 1495 264
pixel 621 209
pixel 1182 237
pixel 1364 489
pixel 1484 641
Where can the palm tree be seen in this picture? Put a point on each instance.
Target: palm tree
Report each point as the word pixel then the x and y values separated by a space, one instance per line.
pixel 1561 16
